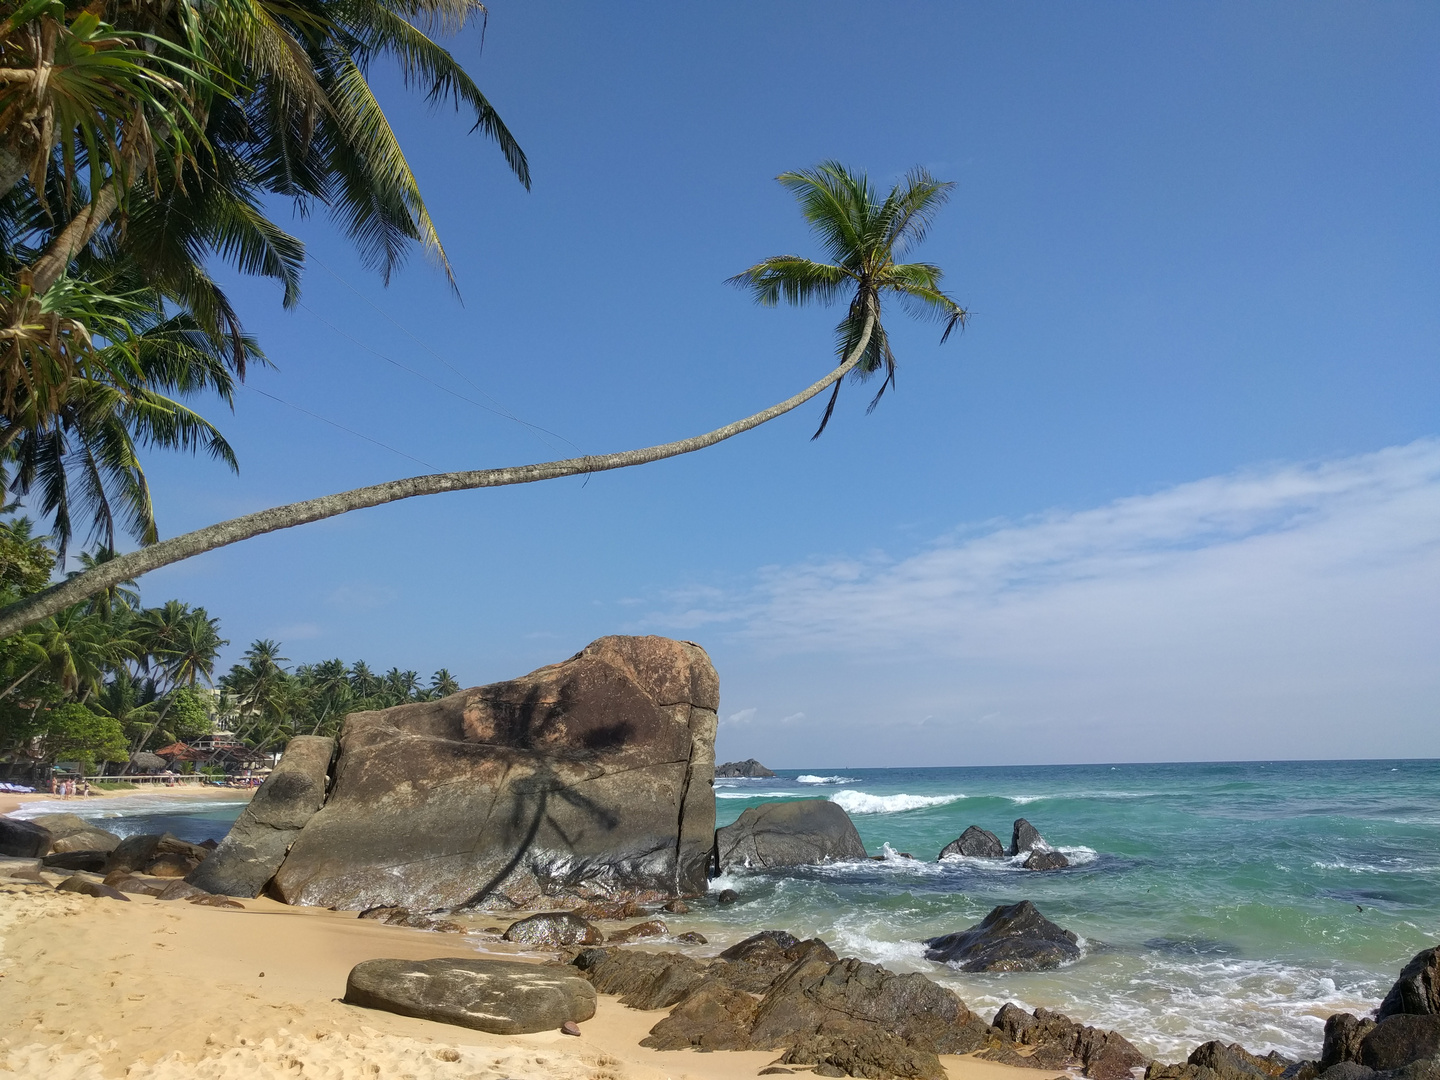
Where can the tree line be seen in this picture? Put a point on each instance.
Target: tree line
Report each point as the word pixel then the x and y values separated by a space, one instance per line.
pixel 109 678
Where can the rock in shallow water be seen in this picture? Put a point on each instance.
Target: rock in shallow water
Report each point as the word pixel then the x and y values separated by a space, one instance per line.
pixel 1045 860
pixel 498 996
pixel 976 843
pixel 1013 938
pixel 801 832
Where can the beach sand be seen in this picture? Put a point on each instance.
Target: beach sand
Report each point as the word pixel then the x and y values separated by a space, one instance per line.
pixel 93 988
pixel 96 802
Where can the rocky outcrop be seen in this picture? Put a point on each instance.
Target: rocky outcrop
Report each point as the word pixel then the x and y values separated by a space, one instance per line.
pixel 585 780
pixel 748 768
pixel 974 843
pixel 23 839
pixel 802 832
pixel 1013 938
pixel 1406 1028
pixel 1343 1035
pixel 1219 1061
pixel 1400 1039
pixel 498 996
pixel 257 843
pixel 71 832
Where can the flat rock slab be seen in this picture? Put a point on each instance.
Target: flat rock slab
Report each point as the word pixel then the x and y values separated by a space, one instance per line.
pixel 499 996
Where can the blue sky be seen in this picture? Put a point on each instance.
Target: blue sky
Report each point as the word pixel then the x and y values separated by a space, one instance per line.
pixel 1174 493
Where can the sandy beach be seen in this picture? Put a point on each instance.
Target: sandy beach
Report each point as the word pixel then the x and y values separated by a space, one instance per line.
pixel 147 990
pixel 82 805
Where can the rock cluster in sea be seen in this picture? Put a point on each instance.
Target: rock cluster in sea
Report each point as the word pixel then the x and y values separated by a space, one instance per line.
pixel 1025 839
pixel 747 769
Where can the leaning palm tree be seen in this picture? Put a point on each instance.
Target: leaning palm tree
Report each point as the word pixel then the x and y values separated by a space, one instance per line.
pixel 863 233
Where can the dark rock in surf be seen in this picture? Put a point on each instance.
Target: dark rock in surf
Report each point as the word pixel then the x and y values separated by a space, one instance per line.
pixel 1343 1035
pixel 23 839
pixel 1417 990
pixel 726 897
pixel 1013 938
pixel 975 843
pixel 257 843
pixel 651 928
pixel 1045 860
pixel 1025 837
pixel 585 780
pixel 802 832
pixel 553 928
pixel 749 768
pixel 498 996
pixel 765 944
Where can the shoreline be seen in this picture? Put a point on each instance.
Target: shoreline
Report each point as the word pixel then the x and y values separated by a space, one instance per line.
pixel 77 804
pixel 150 990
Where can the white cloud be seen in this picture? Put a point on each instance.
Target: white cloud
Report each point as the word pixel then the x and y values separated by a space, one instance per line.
pixel 1277 608
pixel 744 716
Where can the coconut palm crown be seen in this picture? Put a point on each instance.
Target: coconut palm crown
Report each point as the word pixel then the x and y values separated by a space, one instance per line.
pixel 865 237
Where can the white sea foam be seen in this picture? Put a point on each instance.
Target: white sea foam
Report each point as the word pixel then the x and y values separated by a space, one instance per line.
pixel 129 805
pixel 757 794
pixel 806 778
pixel 860 802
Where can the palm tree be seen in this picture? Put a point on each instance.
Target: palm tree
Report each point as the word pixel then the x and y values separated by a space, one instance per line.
pixel 864 236
pixel 443 684
pixel 878 231
pixel 362 680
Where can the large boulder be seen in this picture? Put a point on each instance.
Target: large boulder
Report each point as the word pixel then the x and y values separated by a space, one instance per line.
pixel 749 768
pixel 793 833
pixel 1400 1039
pixel 552 928
pixel 975 843
pixel 157 854
pixel 499 996
pixel 588 779
pixel 1025 837
pixel 1344 1033
pixel 1417 990
pixel 256 845
pixel 1013 938
pixel 23 839
pixel 71 832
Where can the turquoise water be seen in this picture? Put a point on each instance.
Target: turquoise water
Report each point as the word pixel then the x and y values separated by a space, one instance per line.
pixel 1243 902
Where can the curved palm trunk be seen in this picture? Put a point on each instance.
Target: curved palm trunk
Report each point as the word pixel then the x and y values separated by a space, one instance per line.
pixel 133 564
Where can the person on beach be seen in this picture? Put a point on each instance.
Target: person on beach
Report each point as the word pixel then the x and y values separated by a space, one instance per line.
pixel 85 789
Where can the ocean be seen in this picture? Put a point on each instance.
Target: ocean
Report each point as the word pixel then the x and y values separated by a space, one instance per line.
pixel 1235 901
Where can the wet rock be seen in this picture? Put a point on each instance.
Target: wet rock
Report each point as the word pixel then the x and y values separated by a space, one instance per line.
pixel 1400 1039
pixel 711 1018
pixel 1013 938
pixel 677 907
pixel 764 945
pixel 615 910
pixel 1343 1035
pixel 692 937
pixel 553 928
pixel 92 862
pixel 725 897
pixel 399 916
pixel 748 768
pixel 651 928
pixel 71 832
pixel 801 832
pixel 868 1054
pixel 23 839
pixel 86 887
pixel 1045 860
pixel 584 780
pixel 1417 990
pixel 975 843
pixel 1025 837
pixel 256 845
pixel 498 996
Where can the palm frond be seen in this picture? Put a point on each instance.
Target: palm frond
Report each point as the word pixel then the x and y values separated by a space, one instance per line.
pixel 794 279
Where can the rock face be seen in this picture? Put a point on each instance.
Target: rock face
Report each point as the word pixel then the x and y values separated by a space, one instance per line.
pixel 975 843
pixel 798 833
pixel 589 779
pixel 1417 990
pixel 70 832
pixel 498 996
pixel 256 845
pixel 747 768
pixel 23 839
pixel 1406 1029
pixel 1013 938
